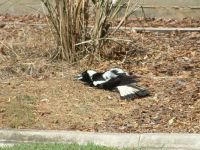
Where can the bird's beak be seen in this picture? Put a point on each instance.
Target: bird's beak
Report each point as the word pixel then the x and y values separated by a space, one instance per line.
pixel 78 77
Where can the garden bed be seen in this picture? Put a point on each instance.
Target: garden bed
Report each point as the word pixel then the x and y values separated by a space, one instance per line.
pixel 39 93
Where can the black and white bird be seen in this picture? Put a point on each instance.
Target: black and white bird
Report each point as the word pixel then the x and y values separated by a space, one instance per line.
pixel 114 79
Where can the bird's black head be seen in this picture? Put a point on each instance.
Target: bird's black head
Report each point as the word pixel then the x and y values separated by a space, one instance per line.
pixel 86 76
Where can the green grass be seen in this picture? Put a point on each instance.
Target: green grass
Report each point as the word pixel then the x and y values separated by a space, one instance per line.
pixel 58 147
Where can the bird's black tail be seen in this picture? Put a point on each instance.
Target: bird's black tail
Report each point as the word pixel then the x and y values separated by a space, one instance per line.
pixel 142 92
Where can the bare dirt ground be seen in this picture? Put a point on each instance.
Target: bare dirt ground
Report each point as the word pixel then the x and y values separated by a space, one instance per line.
pixel 38 93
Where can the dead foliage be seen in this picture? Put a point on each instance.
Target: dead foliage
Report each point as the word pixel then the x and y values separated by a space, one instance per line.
pixel 74 37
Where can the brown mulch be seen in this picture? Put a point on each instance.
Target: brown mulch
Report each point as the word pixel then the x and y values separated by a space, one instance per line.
pixel 168 65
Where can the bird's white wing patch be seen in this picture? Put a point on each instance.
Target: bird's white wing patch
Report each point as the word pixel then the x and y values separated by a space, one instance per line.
pixel 108 75
pixel 126 90
pixel 95 83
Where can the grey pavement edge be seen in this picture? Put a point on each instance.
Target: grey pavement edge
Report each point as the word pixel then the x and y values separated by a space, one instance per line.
pixel 161 141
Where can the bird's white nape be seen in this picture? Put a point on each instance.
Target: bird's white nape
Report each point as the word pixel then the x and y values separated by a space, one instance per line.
pixel 108 75
pixel 113 73
pixel 91 72
pixel 118 70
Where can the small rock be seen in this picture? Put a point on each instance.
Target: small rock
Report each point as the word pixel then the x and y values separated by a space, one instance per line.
pixel 109 97
pixel 44 100
pixel 2 110
pixel 2 25
pixel 172 120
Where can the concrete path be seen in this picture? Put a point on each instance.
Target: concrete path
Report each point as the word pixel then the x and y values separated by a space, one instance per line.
pixel 134 29
pixel 147 140
pixel 178 9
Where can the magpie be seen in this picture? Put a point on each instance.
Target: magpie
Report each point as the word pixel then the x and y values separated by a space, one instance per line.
pixel 114 79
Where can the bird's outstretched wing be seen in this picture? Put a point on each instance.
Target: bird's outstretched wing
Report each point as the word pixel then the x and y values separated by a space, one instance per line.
pixel 131 91
pixel 112 83
pixel 109 84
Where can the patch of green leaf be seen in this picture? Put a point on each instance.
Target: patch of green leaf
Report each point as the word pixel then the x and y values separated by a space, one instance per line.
pixel 58 147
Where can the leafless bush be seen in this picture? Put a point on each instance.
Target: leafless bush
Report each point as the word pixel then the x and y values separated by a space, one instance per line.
pixel 70 19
